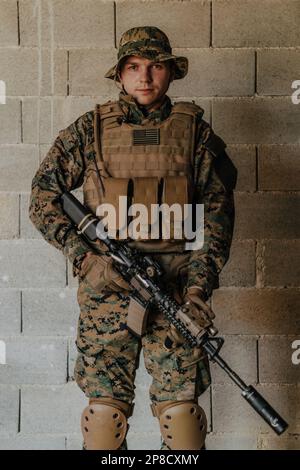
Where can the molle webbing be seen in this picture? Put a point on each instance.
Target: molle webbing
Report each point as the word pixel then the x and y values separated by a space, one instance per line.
pixel 160 149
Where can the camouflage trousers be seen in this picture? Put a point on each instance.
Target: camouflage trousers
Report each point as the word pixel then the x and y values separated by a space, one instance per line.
pixel 108 354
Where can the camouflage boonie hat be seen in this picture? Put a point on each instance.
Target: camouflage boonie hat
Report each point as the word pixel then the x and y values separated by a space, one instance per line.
pixel 151 43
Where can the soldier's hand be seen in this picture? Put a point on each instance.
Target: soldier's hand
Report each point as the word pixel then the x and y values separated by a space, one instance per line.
pixel 195 312
pixel 194 299
pixel 100 274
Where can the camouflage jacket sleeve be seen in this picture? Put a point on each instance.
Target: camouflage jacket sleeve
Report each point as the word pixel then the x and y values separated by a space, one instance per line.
pixel 61 170
pixel 215 179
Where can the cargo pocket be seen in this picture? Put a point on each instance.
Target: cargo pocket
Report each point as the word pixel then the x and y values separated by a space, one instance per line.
pixel 90 373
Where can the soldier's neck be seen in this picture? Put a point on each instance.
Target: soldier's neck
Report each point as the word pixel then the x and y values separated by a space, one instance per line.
pixel 153 106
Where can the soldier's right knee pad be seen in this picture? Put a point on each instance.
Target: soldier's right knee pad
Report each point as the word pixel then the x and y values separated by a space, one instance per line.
pixel 183 424
pixel 104 423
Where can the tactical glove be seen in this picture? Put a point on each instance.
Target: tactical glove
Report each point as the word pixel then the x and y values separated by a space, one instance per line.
pixel 98 272
pixel 194 296
pixel 197 310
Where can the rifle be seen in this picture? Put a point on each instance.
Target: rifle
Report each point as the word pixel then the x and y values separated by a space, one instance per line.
pixel 143 274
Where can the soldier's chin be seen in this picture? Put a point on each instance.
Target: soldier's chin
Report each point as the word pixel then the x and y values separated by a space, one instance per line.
pixel 145 100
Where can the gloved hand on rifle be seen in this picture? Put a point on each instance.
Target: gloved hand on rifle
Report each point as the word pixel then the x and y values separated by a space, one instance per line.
pixel 197 310
pixel 99 273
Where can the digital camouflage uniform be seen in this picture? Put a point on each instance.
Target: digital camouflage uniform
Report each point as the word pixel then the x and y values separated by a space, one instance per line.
pixel 108 354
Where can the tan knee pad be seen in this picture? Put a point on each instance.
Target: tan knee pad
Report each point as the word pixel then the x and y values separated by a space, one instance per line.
pixel 183 424
pixel 104 423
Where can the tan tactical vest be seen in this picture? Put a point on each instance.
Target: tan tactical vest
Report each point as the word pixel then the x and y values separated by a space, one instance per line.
pixel 150 164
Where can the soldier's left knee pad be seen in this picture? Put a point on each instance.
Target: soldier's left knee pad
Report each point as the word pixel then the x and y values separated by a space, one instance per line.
pixel 104 423
pixel 183 424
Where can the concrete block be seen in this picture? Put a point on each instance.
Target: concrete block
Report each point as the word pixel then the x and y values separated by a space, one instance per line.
pixel 217 72
pixel 275 360
pixel 276 70
pixel 87 70
pixel 240 353
pixel 19 70
pixel 279 262
pixel 9 213
pixel 37 120
pixel 244 158
pixel 95 17
pixel 231 441
pixel 9 23
pixel 143 440
pixel 45 23
pixel 45 264
pixel 257 311
pixel 9 409
pixel 231 413
pixel 50 312
pixel 74 442
pixel 10 118
pixel 54 73
pixel 33 443
pixel 278 167
pixel 36 23
pixel 240 268
pixel 10 312
pixel 34 361
pixel 286 442
pixel 266 215
pixel 18 165
pixel 256 121
pixel 59 408
pixel 252 23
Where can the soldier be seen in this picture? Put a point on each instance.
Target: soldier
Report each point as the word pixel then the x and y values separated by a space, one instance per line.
pixel 143 144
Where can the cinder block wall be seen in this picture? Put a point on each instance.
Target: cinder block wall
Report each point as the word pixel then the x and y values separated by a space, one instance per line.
pixel 244 56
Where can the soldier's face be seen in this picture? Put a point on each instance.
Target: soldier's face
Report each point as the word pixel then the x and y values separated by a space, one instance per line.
pixel 145 80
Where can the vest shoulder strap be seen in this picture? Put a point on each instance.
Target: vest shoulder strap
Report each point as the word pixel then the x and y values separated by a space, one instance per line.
pixel 186 107
pixel 113 109
pixel 191 111
pixel 109 109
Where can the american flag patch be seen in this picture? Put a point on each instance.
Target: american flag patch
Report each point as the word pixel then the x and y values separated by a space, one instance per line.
pixel 146 136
